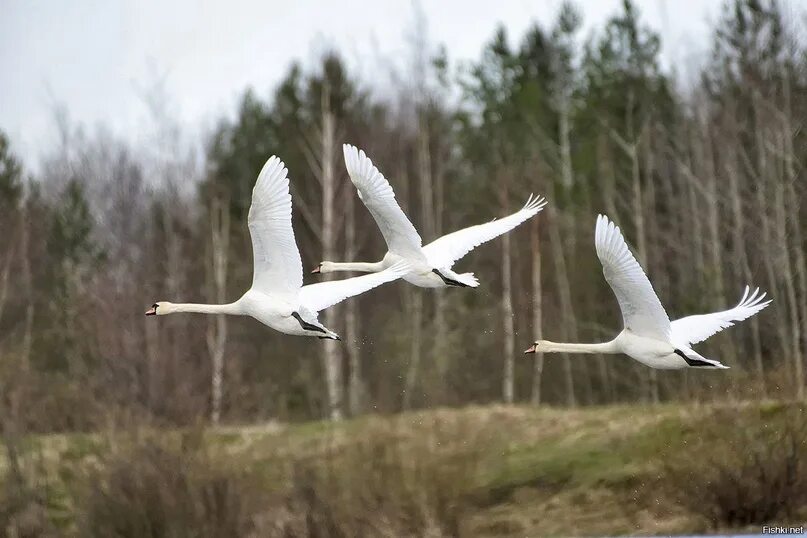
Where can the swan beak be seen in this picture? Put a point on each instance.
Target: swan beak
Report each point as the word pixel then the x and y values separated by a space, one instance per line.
pixel 151 311
pixel 316 270
pixel 530 349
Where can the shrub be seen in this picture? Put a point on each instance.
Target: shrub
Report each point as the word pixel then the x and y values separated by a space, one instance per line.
pixel 403 477
pixel 159 489
pixel 748 467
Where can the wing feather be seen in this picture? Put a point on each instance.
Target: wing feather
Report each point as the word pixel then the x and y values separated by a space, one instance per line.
pixel 445 251
pixel 277 267
pixel 642 311
pixel 694 329
pixel 375 191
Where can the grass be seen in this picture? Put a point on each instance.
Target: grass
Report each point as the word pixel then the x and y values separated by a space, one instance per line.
pixel 478 471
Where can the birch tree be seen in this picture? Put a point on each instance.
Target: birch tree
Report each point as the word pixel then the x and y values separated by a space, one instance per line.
pixel 216 336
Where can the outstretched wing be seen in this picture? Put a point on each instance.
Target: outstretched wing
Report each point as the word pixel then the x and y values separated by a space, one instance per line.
pixel 444 252
pixel 321 295
pixel 642 312
pixel 694 329
pixel 375 191
pixel 276 260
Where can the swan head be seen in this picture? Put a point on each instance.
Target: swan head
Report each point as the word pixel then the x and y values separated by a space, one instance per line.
pixel 160 308
pixel 323 267
pixel 537 347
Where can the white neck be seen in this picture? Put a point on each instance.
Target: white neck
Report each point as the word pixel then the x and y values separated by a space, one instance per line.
pixel 363 267
pixel 231 308
pixel 554 347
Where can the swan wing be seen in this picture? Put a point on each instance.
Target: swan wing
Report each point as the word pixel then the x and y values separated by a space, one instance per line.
pixel 642 312
pixel 445 251
pixel 276 259
pixel 375 191
pixel 321 295
pixel 694 329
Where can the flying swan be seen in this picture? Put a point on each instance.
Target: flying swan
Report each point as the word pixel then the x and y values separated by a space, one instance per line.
pixel 430 265
pixel 649 337
pixel 277 297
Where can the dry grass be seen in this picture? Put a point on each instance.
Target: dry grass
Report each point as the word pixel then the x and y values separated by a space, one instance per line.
pixel 158 487
pixel 481 471
pixel 749 468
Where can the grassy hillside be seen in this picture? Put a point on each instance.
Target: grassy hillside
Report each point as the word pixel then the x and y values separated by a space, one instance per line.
pixel 478 471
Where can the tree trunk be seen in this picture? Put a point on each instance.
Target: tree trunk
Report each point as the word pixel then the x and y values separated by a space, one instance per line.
pixel 25 253
pixel 764 174
pixel 631 149
pixel 352 332
pixel 507 322
pixel 416 307
pixel 537 312
pixel 788 192
pixel 441 345
pixel 217 325
pixel 786 269
pixel 428 218
pixel 508 329
pixel 741 254
pixel 565 295
pixel 331 356
pixel 641 247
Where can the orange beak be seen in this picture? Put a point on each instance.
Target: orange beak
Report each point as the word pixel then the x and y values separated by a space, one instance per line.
pixel 530 349
pixel 151 311
pixel 316 270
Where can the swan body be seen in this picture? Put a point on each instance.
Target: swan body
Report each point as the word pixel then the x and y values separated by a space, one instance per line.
pixel 649 336
pixel 430 265
pixel 277 297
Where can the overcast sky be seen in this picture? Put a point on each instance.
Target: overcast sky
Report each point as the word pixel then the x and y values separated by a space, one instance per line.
pixel 94 57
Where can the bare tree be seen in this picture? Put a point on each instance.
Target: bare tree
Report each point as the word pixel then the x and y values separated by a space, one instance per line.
pixel 537 310
pixel 27 281
pixel 331 355
pixel 785 192
pixel 426 190
pixel 217 325
pixel 508 329
pixel 352 321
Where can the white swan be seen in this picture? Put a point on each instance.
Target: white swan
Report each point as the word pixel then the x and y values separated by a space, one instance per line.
pixel 430 265
pixel 277 297
pixel 649 337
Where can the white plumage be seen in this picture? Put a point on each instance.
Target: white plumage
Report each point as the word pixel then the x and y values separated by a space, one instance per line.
pixel 697 328
pixel 277 297
pixel 431 266
pixel 642 312
pixel 648 335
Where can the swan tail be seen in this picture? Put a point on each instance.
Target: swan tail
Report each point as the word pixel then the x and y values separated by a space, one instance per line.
pixel 319 330
pixel 450 278
pixel 696 360
pixel 329 335
pixel 468 279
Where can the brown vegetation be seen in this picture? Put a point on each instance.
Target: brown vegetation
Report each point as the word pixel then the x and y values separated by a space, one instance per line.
pixel 746 468
pixel 484 471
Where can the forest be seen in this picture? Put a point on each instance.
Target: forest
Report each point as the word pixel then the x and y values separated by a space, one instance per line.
pixel 706 182
pixel 703 172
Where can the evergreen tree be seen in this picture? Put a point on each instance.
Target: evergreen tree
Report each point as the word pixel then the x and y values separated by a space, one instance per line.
pixel 10 177
pixel 72 257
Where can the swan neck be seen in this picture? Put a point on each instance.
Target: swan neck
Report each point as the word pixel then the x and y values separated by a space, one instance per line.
pixel 362 267
pixel 556 347
pixel 231 308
